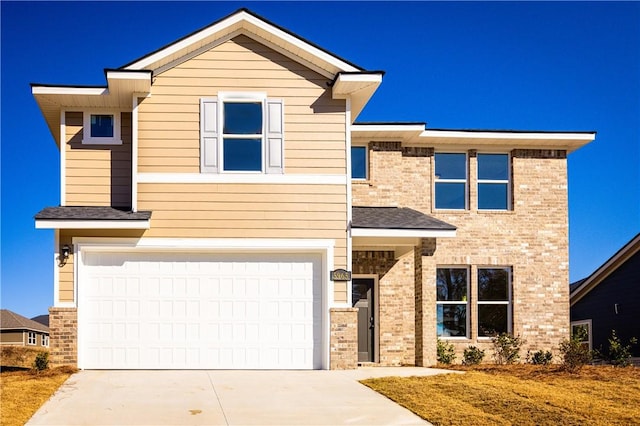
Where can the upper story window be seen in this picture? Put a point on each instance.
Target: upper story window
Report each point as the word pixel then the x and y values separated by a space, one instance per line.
pixel 242 136
pixel 359 165
pixel 494 301
pixel 451 181
pixel 493 181
pixel 451 302
pixel 241 133
pixel 101 128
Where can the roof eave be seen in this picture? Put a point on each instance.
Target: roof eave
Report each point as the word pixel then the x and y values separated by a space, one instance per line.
pixel 358 87
pixel 92 224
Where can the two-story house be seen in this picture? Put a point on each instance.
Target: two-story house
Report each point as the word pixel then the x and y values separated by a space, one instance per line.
pixel 220 208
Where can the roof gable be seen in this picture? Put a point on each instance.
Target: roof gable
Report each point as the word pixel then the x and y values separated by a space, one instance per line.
pixel 253 26
pixel 581 288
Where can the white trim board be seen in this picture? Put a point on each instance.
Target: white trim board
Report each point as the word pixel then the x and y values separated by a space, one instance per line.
pixel 411 233
pixel 92 224
pixel 253 178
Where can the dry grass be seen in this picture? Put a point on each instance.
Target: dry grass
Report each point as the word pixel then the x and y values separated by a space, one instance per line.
pixel 520 395
pixel 23 392
pixel 19 356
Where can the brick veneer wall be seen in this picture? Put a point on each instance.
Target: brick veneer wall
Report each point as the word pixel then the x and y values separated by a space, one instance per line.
pixel 63 336
pixel 532 238
pixel 396 303
pixel 344 339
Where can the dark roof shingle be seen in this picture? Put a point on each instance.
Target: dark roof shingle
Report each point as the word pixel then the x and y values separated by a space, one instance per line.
pixel 396 218
pixel 90 213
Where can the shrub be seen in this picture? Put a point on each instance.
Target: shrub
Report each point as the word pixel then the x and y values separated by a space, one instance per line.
pixel 618 354
pixel 472 356
pixel 540 357
pixel 574 353
pixel 506 348
pixel 446 353
pixel 41 362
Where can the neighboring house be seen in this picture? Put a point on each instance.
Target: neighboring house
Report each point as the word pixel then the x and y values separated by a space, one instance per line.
pixel 17 330
pixel 42 319
pixel 609 299
pixel 221 209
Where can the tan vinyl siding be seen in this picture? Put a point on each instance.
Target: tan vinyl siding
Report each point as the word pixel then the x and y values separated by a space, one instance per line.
pixel 97 175
pixel 247 211
pixel 12 338
pixel 169 135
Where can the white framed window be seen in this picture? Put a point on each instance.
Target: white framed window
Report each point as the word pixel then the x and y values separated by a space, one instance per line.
pixel 452 300
pixel 359 162
pixel 494 301
pixel 31 338
pixel 241 132
pixel 451 190
pixel 45 340
pixel 494 190
pixel 582 330
pixel 101 128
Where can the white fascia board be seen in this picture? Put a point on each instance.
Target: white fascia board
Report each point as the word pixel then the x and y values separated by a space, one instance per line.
pixel 229 22
pixel 409 128
pixel 48 90
pixel 128 75
pixel 256 178
pixel 92 224
pixel 295 41
pixel 507 135
pixel 364 77
pixel 402 233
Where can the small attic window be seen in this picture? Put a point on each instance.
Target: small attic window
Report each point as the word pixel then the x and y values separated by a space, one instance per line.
pixel 101 128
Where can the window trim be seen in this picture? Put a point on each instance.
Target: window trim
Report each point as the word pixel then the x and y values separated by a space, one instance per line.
pixel 366 162
pixel 508 303
pixel 495 181
pixel 589 325
pixel 242 97
pixel 32 338
pixel 87 139
pixel 437 180
pixel 467 303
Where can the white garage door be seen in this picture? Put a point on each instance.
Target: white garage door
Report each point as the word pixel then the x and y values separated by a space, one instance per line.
pixel 199 311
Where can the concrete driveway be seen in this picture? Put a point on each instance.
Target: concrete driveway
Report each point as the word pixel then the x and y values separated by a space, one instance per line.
pixel 226 398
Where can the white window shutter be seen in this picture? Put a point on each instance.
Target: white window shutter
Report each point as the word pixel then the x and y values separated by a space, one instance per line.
pixel 275 136
pixel 209 135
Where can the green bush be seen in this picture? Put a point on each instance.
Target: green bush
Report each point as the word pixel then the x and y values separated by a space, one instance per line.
pixel 472 356
pixel 446 353
pixel 618 354
pixel 506 348
pixel 574 353
pixel 540 357
pixel 41 362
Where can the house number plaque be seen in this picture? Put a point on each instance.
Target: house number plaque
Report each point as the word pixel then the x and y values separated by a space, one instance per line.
pixel 340 275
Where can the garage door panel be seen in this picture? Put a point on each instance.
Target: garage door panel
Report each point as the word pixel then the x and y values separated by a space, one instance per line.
pixel 188 310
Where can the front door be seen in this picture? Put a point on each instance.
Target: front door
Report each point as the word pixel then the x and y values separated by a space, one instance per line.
pixel 362 297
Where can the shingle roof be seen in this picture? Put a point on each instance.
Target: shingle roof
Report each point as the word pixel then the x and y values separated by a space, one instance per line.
pixel 90 213
pixel 11 321
pixel 395 218
pixel 42 319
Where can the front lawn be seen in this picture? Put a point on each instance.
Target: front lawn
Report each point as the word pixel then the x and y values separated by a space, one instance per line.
pixel 22 393
pixel 520 395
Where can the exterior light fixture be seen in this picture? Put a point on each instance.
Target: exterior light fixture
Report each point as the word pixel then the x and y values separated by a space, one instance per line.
pixel 65 250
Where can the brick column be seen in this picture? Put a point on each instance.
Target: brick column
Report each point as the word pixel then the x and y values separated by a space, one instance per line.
pixel 344 338
pixel 63 336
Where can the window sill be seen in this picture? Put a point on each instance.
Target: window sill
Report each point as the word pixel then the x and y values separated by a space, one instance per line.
pixel 101 141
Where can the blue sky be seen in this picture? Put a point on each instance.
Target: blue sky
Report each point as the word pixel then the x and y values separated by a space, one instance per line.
pixel 500 65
